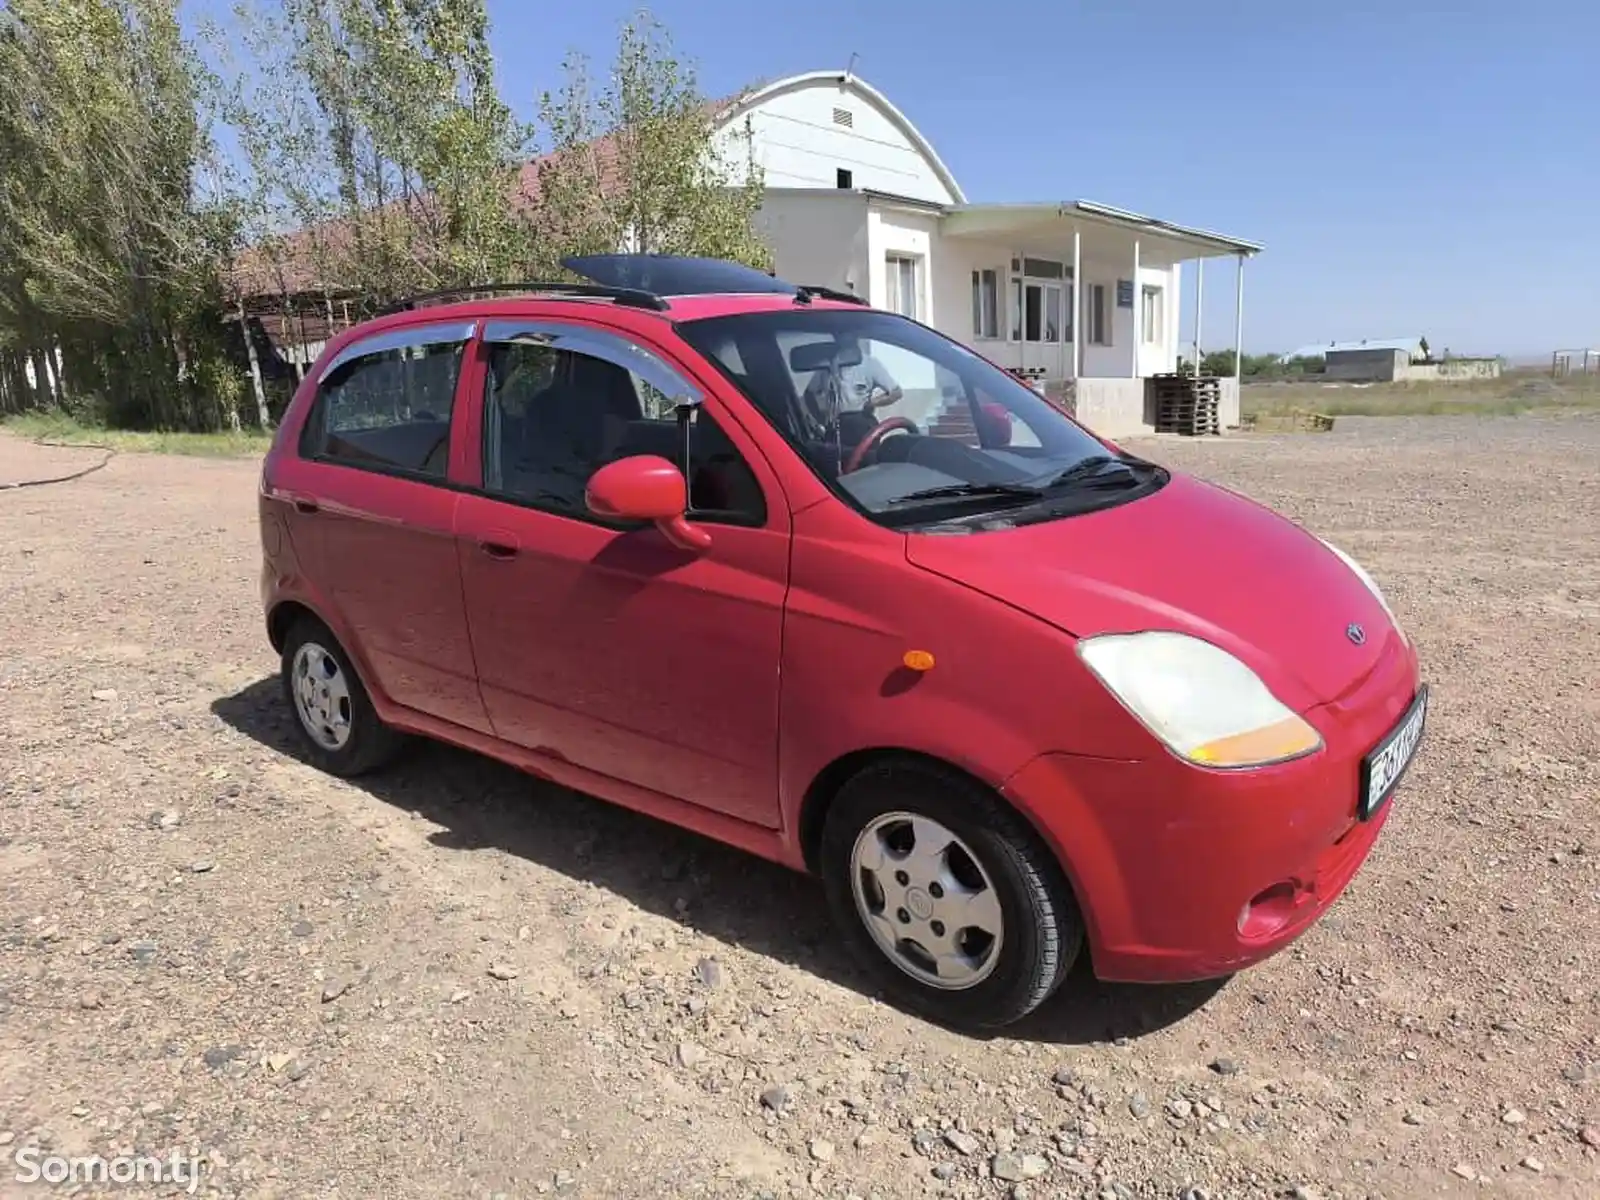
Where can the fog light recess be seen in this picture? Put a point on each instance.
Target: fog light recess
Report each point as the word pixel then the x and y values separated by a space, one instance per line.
pixel 1272 910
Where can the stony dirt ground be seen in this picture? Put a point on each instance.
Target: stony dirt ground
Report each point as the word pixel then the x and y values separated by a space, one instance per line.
pixel 456 981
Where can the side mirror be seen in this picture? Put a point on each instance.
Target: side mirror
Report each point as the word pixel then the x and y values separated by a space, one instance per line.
pixel 646 487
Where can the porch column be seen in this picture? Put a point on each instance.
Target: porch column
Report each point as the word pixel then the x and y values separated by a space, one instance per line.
pixel 1199 308
pixel 1015 256
pixel 1138 312
pixel 1238 323
pixel 1077 304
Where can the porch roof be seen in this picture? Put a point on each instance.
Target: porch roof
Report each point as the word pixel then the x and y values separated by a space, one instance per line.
pixel 1045 217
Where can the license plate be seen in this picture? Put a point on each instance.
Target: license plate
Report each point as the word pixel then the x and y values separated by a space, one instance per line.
pixel 1383 767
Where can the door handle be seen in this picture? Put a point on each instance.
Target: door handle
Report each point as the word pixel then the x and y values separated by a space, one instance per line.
pixel 305 504
pixel 498 549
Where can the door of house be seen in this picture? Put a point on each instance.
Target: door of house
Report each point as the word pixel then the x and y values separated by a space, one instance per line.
pixel 1041 315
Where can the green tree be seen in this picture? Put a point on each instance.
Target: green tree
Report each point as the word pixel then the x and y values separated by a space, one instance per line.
pixel 641 163
pixel 108 245
pixel 381 155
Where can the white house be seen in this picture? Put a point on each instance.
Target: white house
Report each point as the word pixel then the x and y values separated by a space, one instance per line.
pixel 857 199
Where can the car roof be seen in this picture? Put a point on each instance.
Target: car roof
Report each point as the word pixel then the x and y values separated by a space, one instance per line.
pixel 622 291
pixel 602 311
pixel 536 303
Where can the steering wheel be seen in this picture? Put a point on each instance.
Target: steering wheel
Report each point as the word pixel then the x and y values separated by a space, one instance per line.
pixel 889 425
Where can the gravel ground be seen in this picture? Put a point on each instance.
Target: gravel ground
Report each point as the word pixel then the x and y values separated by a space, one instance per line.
pixel 454 980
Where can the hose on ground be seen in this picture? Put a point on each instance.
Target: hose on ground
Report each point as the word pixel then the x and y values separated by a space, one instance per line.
pixel 110 453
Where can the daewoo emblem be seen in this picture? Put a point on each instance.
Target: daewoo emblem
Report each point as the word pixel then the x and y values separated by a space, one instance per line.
pixel 1355 633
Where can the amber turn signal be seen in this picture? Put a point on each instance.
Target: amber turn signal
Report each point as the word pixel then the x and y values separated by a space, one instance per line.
pixel 918 660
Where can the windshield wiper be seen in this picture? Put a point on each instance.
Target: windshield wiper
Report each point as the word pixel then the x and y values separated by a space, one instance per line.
pixel 1083 469
pixel 1091 472
pixel 1019 491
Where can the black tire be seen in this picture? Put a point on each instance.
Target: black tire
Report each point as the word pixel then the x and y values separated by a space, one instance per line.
pixel 1042 933
pixel 371 744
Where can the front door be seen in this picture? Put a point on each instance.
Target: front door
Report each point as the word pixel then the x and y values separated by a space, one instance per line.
pixel 605 645
pixel 377 522
pixel 1041 318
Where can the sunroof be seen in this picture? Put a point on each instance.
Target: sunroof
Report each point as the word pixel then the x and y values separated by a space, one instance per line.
pixel 671 275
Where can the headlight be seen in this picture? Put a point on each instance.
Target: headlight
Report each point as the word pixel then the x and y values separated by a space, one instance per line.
pixel 1201 701
pixel 1372 584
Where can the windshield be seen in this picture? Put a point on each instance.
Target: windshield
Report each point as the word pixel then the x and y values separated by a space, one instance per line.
pixel 910 425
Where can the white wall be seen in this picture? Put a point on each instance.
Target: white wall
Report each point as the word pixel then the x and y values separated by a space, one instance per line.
pixel 841 239
pixel 901 231
pixel 798 143
pixel 956 258
pixel 819 238
pixel 1116 360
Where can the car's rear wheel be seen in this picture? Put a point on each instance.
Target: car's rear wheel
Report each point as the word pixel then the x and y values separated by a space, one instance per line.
pixel 947 896
pixel 342 732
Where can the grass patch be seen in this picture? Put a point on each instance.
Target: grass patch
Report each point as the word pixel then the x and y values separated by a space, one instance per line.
pixel 55 427
pixel 1514 392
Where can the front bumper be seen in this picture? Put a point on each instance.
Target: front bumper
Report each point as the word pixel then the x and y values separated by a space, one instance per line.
pixel 1184 873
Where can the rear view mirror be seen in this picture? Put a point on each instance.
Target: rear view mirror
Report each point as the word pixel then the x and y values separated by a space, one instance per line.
pixel 820 356
pixel 646 487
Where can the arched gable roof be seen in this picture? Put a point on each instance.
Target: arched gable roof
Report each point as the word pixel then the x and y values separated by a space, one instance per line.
pixel 851 83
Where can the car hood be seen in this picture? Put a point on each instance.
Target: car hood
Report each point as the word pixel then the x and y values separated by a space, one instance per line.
pixel 1194 558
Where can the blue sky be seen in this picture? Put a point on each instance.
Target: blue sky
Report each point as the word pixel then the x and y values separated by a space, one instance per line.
pixel 1410 173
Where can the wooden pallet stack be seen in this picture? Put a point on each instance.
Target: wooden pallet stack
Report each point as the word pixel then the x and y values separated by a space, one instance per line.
pixel 1187 404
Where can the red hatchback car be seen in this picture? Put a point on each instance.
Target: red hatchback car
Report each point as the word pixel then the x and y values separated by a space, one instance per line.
pixel 813 579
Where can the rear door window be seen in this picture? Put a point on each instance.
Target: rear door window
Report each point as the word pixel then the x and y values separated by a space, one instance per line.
pixel 385 403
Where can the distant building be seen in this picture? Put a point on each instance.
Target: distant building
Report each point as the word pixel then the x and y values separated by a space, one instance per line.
pixel 1392 360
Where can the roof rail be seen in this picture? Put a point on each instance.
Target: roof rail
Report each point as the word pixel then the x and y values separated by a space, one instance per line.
pixel 806 292
pixel 632 297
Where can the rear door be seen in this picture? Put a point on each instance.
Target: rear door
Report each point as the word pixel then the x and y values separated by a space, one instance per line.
pixel 373 493
pixel 603 644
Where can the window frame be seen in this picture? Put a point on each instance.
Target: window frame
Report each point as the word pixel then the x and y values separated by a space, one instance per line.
pixel 1153 296
pixel 892 260
pixel 459 333
pixel 990 332
pixel 617 347
pixel 1097 328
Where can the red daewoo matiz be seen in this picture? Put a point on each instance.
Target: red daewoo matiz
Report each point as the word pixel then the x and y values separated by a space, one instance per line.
pixel 812 579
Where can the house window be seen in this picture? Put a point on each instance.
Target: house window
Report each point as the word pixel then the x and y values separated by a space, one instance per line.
pixel 1096 329
pixel 986 304
pixel 901 278
pixel 843 178
pixel 1150 315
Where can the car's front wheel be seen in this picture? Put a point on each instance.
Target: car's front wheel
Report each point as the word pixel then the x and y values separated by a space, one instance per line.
pixel 947 896
pixel 342 731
